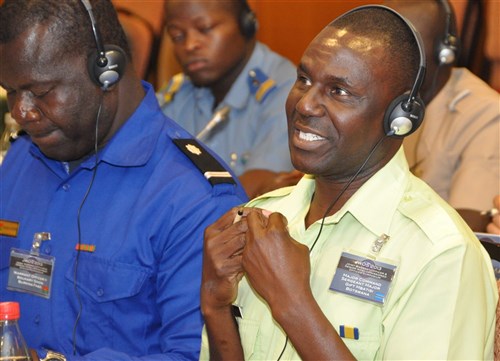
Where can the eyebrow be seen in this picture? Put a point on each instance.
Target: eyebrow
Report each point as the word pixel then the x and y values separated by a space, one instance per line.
pixel 329 78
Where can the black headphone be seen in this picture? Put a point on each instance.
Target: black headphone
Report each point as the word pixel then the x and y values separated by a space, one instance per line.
pixel 247 21
pixel 405 113
pixel 447 51
pixel 107 64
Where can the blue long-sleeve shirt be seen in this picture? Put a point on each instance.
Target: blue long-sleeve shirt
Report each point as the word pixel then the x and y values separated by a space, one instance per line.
pixel 145 215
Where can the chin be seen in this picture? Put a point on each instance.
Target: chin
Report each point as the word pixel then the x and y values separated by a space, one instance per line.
pixel 302 165
pixel 201 81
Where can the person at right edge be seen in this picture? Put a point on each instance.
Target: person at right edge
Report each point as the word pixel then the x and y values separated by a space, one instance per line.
pixel 229 75
pixel 457 149
pixel 361 259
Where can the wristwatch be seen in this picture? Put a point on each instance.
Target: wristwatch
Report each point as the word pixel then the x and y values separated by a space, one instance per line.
pixel 53 356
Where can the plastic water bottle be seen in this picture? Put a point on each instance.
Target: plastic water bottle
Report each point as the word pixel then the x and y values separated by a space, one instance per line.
pixel 12 344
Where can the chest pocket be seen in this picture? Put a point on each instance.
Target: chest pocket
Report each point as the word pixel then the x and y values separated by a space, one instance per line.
pixel 366 317
pixel 105 281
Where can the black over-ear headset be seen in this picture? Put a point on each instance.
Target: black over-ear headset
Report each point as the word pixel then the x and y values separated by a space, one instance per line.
pixel 107 64
pixel 447 51
pixel 247 21
pixel 406 112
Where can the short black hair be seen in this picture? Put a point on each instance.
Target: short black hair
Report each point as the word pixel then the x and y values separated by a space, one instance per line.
pixel 68 18
pixel 379 23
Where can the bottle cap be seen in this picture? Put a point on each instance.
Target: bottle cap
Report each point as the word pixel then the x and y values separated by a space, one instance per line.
pixel 9 311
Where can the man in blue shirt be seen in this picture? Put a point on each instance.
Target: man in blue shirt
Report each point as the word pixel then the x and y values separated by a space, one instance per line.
pixel 226 70
pixel 104 200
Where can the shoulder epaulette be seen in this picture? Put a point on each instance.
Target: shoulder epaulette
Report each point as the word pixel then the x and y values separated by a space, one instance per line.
pixel 260 84
pixel 209 166
pixel 168 92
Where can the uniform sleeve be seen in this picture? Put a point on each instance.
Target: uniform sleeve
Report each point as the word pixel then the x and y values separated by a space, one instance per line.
pixel 448 312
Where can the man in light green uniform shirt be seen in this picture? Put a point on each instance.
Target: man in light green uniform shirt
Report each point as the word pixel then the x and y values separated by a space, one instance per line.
pixel 362 260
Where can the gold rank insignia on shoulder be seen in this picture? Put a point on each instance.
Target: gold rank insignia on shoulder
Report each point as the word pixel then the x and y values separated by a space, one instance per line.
pixel 260 84
pixel 167 93
pixel 209 166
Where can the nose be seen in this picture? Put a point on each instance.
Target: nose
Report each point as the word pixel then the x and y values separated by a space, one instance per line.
pixel 23 109
pixel 192 41
pixel 309 103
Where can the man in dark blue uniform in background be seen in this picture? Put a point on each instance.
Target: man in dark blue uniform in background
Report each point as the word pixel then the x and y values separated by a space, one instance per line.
pixel 104 200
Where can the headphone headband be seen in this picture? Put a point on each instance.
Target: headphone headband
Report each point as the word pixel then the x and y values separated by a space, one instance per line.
pixel 105 68
pixel 448 48
pixel 405 114
pixel 247 21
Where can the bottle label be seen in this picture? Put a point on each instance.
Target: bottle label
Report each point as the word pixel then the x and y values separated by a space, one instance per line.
pixel 30 273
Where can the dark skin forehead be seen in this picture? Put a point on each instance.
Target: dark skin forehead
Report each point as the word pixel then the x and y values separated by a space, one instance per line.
pixel 35 51
pixel 215 5
pixel 342 46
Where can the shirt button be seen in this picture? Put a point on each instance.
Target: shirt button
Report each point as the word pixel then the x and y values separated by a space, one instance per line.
pixel 47 250
pixel 66 187
pixel 100 292
pixel 37 319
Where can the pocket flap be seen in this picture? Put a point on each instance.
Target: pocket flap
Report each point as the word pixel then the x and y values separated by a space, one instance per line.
pixel 104 280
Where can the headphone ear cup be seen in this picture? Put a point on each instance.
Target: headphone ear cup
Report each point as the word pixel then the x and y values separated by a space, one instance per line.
pixel 248 23
pixel 402 118
pixel 110 73
pixel 447 52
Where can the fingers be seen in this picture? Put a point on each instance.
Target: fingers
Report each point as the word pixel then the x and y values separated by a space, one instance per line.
pixel 266 219
pixel 277 219
pixel 222 223
pixel 225 246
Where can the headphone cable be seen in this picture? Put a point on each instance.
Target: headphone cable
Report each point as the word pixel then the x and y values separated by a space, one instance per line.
pixel 79 242
pixel 332 204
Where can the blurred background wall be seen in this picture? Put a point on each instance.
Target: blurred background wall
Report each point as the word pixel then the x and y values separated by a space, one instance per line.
pixel 288 26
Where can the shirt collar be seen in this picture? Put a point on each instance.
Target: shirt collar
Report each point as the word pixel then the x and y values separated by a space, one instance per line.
pixel 134 142
pixel 383 200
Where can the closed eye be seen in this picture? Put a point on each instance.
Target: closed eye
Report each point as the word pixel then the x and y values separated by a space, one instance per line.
pixel 205 29
pixel 176 37
pixel 41 93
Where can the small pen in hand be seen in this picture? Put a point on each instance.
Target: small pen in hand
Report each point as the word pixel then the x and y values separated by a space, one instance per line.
pixel 490 212
pixel 238 215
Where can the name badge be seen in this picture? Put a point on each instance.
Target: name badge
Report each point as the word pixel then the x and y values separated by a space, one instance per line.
pixel 30 273
pixel 363 278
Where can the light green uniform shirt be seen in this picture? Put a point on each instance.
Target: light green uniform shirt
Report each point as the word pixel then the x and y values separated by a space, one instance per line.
pixel 442 301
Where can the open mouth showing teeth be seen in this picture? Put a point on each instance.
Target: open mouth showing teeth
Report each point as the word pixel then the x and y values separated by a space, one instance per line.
pixel 309 136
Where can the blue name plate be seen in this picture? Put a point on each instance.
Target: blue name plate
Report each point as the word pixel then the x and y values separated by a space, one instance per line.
pixel 363 278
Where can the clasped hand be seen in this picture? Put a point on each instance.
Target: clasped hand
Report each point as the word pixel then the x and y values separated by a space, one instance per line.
pixel 259 246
